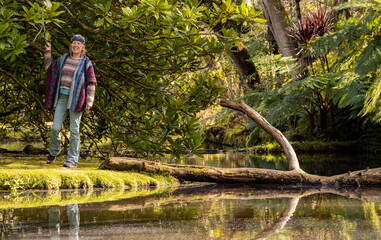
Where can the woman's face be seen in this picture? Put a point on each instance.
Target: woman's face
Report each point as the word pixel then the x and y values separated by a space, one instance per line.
pixel 76 48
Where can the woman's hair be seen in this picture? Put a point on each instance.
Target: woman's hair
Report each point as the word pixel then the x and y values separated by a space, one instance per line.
pixel 83 52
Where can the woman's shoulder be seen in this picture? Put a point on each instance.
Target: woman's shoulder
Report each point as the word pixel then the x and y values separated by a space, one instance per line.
pixel 88 62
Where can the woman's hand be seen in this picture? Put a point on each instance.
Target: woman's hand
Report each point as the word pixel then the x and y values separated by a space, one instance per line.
pixel 87 107
pixel 48 46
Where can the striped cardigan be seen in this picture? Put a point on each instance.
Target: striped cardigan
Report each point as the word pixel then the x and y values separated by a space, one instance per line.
pixel 83 76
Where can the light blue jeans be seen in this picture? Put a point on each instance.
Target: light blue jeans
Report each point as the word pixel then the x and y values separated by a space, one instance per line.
pixel 55 139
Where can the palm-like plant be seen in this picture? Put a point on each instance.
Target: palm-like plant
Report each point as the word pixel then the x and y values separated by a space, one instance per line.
pixel 305 30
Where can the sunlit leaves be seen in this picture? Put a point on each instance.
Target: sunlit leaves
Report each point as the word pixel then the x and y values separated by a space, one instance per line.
pixel 12 41
pixel 369 61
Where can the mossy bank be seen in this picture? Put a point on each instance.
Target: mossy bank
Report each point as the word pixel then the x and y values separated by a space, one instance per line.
pixel 26 173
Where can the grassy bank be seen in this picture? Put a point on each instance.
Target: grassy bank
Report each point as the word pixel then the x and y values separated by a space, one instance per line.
pixel 26 179
pixel 26 173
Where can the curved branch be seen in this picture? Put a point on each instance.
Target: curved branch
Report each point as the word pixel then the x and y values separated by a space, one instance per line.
pixel 293 163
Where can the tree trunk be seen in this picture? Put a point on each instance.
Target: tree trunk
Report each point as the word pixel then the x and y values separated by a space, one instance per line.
pixel 278 22
pixel 293 163
pixel 368 177
pixel 297 10
pixel 248 72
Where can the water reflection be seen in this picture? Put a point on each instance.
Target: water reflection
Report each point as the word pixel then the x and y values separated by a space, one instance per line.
pixel 207 212
pixel 319 164
pixel 73 221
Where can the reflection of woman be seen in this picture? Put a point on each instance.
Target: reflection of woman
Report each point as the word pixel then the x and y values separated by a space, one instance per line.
pixel 73 220
pixel 70 88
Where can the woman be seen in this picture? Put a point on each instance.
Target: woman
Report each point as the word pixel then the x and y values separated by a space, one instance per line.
pixel 70 89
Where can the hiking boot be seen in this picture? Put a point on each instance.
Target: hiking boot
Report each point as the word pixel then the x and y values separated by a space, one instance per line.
pixel 50 159
pixel 69 165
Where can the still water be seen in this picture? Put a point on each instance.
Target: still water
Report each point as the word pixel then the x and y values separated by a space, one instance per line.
pixel 320 164
pixel 207 211
pixel 198 212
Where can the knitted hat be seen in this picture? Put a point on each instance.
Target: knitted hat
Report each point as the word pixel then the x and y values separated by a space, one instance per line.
pixel 78 38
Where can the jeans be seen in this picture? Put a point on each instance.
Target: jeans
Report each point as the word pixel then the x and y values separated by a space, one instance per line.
pixel 55 139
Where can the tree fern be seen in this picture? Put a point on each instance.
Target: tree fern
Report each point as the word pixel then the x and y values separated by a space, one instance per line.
pixel 369 60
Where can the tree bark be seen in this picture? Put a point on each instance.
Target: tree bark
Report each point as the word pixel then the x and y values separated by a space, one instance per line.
pixel 368 177
pixel 249 74
pixel 278 22
pixel 293 163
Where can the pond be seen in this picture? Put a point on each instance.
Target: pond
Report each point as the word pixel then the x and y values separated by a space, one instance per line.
pixel 320 164
pixel 204 211
pixel 198 212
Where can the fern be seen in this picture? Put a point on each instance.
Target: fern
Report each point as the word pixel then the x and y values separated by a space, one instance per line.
pixel 372 97
pixel 369 60
pixel 372 4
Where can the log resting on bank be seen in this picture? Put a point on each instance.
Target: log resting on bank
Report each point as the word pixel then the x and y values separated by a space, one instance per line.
pixel 294 177
pixel 368 177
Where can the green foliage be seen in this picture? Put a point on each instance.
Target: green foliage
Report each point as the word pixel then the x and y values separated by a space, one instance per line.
pixel 358 44
pixel 152 60
pixel 273 69
pixel 291 107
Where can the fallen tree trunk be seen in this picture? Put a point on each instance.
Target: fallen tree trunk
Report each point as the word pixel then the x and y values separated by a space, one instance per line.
pixel 295 177
pixel 368 177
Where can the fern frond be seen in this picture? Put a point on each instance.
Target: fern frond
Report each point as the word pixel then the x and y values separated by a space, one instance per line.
pixel 369 60
pixel 372 4
pixel 373 96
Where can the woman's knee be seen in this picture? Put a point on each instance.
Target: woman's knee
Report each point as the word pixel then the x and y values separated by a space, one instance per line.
pixel 74 132
pixel 55 130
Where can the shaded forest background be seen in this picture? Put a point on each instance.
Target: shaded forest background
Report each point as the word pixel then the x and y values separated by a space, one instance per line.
pixel 310 67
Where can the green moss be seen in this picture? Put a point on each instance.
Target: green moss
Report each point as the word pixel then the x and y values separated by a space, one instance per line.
pixel 25 179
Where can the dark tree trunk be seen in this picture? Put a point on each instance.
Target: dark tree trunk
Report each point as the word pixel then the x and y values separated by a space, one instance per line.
pixel 248 72
pixel 278 22
pixel 368 177
pixel 297 10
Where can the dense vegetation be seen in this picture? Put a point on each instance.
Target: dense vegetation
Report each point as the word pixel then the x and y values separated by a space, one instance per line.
pixel 160 63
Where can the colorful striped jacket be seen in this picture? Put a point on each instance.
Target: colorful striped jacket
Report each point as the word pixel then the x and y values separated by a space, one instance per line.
pixel 83 76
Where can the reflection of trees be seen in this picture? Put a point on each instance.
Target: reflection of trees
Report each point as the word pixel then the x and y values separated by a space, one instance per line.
pixel 227 212
pixel 209 208
pixel 279 223
pixel 370 213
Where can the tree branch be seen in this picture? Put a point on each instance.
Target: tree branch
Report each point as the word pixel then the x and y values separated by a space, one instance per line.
pixel 293 163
